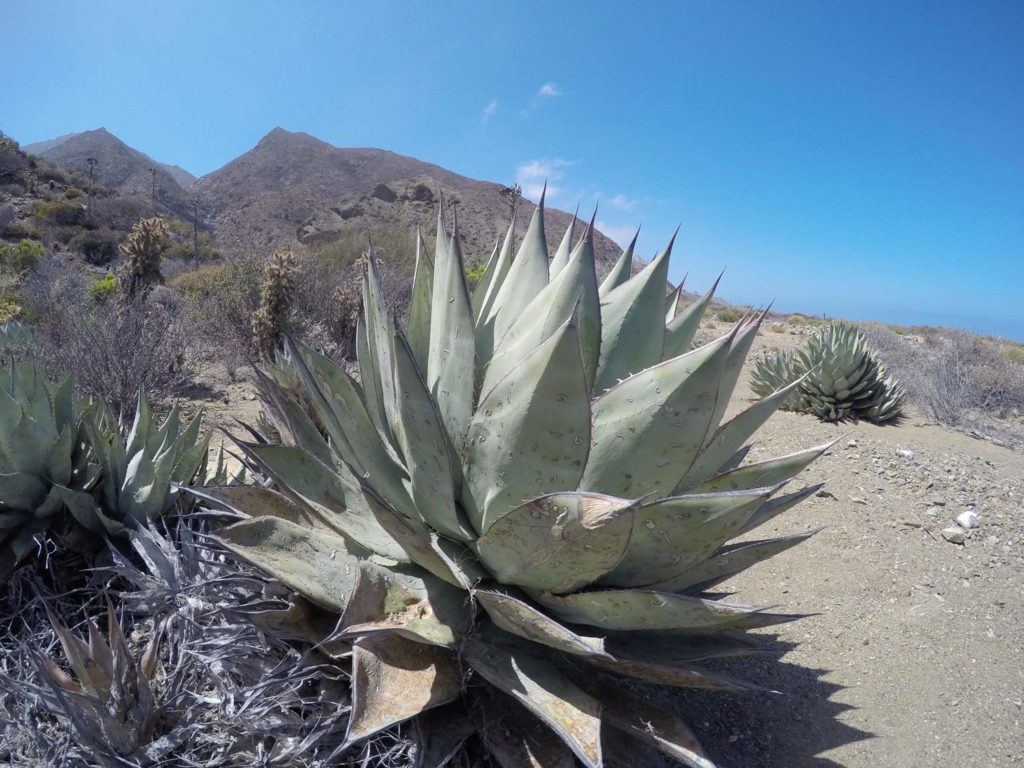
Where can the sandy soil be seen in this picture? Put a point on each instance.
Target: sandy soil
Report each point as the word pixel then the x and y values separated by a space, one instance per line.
pixel 913 652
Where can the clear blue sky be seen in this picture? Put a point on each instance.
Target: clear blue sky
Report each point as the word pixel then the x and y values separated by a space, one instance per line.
pixel 862 159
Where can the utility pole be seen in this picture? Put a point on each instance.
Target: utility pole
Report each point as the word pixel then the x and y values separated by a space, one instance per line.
pixel 152 172
pixel 195 229
pixel 92 165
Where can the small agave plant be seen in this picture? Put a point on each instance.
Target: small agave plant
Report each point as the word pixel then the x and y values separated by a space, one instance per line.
pixel 842 378
pixel 110 697
pixel 65 468
pixel 523 503
pixel 141 477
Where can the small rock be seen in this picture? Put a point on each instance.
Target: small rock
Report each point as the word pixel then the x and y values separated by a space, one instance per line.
pixel 954 534
pixel 825 494
pixel 858 500
pixel 903 453
pixel 936 500
pixel 932 511
pixel 852 444
pixel 968 519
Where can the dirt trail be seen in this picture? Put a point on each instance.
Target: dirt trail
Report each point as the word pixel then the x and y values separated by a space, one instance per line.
pixel 913 656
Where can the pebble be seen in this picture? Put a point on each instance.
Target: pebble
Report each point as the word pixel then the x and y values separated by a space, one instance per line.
pixel 968 519
pixel 903 453
pixel 858 500
pixel 936 500
pixel 954 534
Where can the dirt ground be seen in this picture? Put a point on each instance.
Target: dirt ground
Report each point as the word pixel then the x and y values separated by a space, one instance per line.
pixel 912 655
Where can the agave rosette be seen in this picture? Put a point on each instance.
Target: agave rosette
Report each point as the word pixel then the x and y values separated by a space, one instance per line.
pixel 842 378
pixel 42 456
pixel 524 498
pixel 773 372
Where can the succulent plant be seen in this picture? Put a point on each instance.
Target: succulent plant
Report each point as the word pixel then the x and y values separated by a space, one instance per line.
pixel 773 372
pixel 141 250
pixel 42 458
pixel 65 468
pixel 141 478
pixel 840 378
pixel 110 697
pixel 279 278
pixel 15 339
pixel 522 504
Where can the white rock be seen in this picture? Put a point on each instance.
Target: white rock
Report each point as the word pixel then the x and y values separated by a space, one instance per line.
pixel 954 534
pixel 903 453
pixel 968 519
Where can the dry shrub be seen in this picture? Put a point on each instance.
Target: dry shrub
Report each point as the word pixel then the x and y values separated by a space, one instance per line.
pixel 960 379
pixel 227 695
pixel 113 350
pixel 221 300
pixel 324 306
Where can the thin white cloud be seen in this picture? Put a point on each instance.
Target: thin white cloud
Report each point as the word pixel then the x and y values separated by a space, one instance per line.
pixel 531 175
pixel 549 90
pixel 621 235
pixel 490 110
pixel 622 203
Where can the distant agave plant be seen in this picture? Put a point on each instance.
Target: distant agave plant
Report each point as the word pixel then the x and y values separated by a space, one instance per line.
pixel 842 378
pixel 522 504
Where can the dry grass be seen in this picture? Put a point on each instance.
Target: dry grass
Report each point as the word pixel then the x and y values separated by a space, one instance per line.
pixel 228 695
pixel 957 378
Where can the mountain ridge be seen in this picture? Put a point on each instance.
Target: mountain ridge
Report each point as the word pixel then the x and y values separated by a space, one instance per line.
pixel 292 187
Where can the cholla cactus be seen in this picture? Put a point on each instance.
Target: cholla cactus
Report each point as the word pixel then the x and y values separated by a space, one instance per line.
pixel 279 277
pixel 524 505
pixel 140 269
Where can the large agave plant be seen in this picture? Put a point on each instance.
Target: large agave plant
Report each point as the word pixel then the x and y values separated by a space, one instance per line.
pixel 523 502
pixel 42 457
pixel 842 378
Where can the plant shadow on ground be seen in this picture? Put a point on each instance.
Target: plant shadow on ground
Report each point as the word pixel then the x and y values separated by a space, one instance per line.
pixel 788 728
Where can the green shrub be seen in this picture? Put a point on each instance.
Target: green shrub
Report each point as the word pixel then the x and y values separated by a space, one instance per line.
pixel 203 283
pixel 10 309
pixel 59 213
pixel 72 193
pixel 1013 353
pixel 731 314
pixel 19 230
pixel 22 256
pixel 97 246
pixel 103 289
pixel 474 272
pixel 803 320
pixel 182 250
